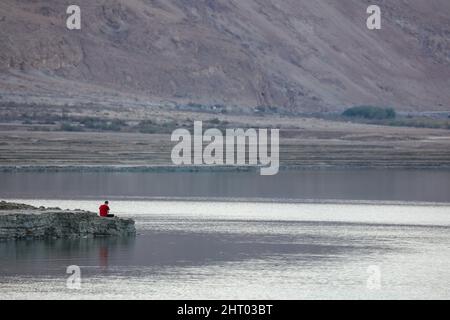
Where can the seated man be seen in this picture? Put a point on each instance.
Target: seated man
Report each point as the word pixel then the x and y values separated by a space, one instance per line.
pixel 104 210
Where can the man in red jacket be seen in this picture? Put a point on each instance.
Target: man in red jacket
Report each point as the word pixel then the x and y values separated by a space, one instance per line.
pixel 104 210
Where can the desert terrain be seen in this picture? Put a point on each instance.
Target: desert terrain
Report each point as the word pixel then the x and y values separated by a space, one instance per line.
pixel 304 141
pixel 111 93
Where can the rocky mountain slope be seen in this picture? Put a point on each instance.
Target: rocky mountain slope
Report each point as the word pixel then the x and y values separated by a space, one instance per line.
pixel 295 54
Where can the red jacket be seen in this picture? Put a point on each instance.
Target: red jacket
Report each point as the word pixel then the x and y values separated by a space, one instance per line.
pixel 104 209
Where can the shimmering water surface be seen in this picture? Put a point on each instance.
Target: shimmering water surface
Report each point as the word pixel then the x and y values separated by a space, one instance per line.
pixel 326 247
pixel 187 250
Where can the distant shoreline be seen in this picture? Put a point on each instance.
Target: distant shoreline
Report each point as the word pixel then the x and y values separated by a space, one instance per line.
pixel 202 169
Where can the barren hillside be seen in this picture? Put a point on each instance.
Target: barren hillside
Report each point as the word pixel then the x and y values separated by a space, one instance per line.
pixel 296 54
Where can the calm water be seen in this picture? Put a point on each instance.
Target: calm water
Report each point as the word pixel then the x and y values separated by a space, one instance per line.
pixel 215 249
pixel 220 250
pixel 402 185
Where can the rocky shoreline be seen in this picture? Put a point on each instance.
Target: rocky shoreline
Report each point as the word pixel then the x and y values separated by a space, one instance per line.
pixel 20 221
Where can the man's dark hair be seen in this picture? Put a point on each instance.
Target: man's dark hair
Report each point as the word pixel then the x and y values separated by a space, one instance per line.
pixel 106 202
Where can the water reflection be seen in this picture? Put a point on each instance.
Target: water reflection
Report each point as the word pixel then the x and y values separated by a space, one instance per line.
pixel 189 257
pixel 169 249
pixel 49 257
pixel 103 257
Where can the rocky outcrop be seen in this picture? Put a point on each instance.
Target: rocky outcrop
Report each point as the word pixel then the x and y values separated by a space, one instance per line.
pixel 19 221
pixel 14 206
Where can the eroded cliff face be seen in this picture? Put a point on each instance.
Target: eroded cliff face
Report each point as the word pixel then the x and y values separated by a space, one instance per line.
pixel 298 55
pixel 19 221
